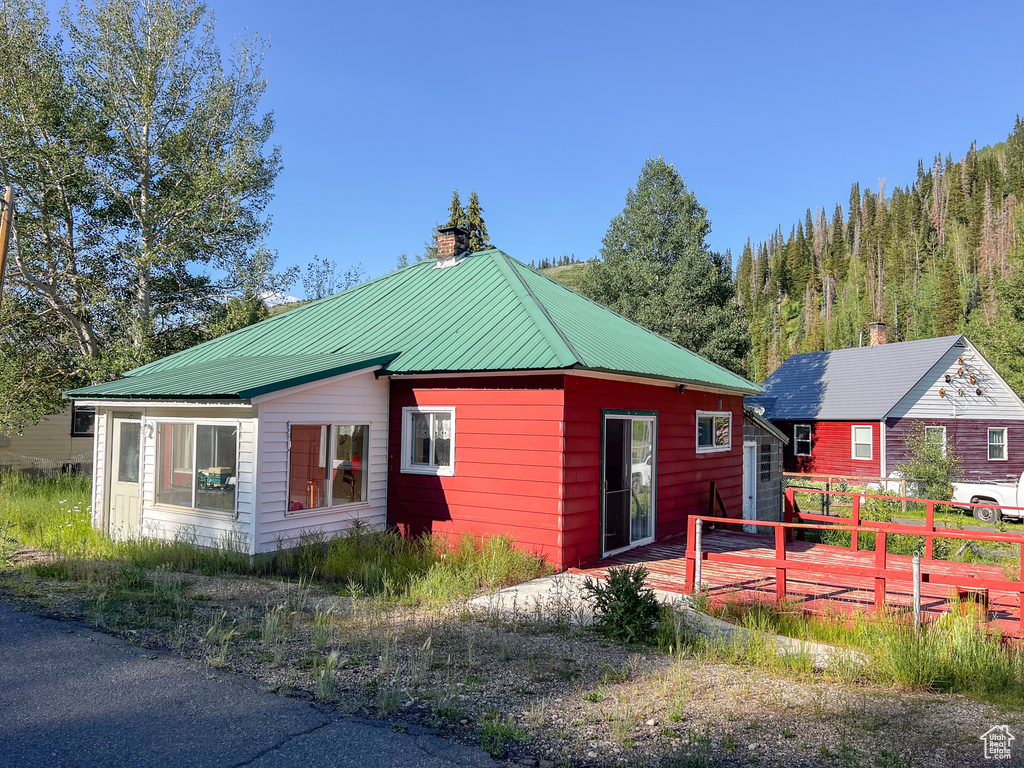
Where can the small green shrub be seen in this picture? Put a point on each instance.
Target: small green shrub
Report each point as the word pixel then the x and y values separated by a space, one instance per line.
pixel 496 733
pixel 625 609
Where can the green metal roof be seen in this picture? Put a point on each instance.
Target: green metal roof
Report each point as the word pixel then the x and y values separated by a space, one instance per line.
pixel 232 377
pixel 486 313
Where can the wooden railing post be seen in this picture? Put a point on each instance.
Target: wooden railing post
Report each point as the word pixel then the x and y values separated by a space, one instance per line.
pixel 880 569
pixel 780 572
pixel 698 553
pixel 691 534
pixel 916 565
pixel 929 524
pixel 855 514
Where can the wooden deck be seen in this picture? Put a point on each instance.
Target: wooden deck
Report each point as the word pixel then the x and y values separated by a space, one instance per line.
pixel 815 591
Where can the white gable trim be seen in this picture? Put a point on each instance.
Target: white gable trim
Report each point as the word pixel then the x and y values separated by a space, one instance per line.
pixel 298 389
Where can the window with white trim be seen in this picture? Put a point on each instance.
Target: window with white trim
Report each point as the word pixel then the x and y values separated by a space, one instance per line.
pixel 196 465
pixel 801 439
pixel 936 436
pixel 428 441
pixel 862 448
pixel 327 465
pixel 997 444
pixel 714 431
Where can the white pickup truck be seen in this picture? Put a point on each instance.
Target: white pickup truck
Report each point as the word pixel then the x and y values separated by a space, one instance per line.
pixel 1002 494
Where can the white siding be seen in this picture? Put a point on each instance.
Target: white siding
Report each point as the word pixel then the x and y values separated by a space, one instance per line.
pixel 46 445
pixel 206 528
pixel 99 463
pixel 359 399
pixel 997 400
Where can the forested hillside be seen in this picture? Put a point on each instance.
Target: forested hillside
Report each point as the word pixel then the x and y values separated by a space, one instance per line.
pixel 938 257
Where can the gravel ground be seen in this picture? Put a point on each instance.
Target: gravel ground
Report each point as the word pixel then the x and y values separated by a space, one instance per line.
pixel 534 690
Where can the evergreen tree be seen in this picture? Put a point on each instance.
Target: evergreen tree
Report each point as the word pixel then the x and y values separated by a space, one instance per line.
pixel 657 270
pixel 456 213
pixel 474 218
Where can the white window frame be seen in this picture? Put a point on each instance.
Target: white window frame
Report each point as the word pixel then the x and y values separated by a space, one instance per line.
pixel 195 424
pixel 870 443
pixel 797 441
pixel 936 427
pixel 408 467
pixel 713 415
pixel 331 447
pixel 1006 443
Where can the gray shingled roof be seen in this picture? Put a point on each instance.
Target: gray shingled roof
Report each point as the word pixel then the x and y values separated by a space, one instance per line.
pixel 860 384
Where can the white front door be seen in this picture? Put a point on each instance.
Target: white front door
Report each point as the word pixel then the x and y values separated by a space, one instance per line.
pixel 750 485
pixel 124 479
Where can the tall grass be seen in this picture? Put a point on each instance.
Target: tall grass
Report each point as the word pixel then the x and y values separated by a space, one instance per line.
pixel 54 515
pixel 955 653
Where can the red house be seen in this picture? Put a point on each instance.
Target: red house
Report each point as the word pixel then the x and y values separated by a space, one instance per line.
pixel 848 411
pixel 467 394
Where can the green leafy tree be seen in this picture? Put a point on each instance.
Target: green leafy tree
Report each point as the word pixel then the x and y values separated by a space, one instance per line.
pixel 657 270
pixel 142 172
pixel 930 463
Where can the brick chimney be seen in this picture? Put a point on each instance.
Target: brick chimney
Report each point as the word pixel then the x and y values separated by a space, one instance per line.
pixel 451 242
pixel 878 333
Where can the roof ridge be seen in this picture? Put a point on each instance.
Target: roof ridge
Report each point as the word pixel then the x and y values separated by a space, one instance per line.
pixel 534 305
pixel 599 305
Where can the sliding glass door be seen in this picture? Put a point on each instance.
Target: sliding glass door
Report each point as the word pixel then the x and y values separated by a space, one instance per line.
pixel 629 480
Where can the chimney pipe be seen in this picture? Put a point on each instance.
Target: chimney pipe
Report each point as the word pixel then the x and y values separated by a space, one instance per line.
pixel 878 333
pixel 451 243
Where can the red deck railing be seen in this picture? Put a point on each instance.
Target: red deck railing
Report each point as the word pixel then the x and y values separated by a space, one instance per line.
pixel 882 569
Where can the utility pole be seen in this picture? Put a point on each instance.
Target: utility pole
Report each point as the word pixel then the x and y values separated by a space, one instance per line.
pixel 6 224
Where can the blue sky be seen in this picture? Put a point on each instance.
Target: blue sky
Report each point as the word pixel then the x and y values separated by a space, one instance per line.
pixel 549 110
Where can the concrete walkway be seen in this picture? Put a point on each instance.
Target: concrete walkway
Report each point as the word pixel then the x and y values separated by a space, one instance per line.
pixel 72 697
pixel 561 597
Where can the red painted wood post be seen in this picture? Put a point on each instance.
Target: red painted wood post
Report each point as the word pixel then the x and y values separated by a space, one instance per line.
pixel 1020 582
pixel 780 554
pixel 854 537
pixel 880 568
pixel 929 523
pixel 691 532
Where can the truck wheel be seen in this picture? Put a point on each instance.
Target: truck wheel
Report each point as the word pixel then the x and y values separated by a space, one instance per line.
pixel 638 484
pixel 986 514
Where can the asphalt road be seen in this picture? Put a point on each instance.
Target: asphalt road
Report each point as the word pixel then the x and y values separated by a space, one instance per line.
pixel 72 697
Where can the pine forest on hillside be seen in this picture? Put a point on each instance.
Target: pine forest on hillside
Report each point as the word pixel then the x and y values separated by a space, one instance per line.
pixel 941 256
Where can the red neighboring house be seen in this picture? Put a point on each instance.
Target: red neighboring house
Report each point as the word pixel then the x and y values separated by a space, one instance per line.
pixel 467 394
pixel 848 411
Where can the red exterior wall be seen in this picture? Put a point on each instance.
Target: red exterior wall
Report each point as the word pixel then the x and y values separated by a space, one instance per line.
pixel 518 437
pixel 508 460
pixel 969 438
pixel 683 476
pixel 832 449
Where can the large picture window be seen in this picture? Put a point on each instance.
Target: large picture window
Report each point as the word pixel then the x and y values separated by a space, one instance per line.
pixel 197 465
pixel 714 431
pixel 801 439
pixel 327 465
pixel 862 448
pixel 428 441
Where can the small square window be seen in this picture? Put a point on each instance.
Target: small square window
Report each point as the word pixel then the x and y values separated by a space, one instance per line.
pixel 997 444
pixel 714 431
pixel 83 421
pixel 862 448
pixel 801 439
pixel 936 436
pixel 428 441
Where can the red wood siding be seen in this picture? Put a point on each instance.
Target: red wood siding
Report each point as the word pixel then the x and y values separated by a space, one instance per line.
pixel 683 475
pixel 508 461
pixel 969 438
pixel 832 449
